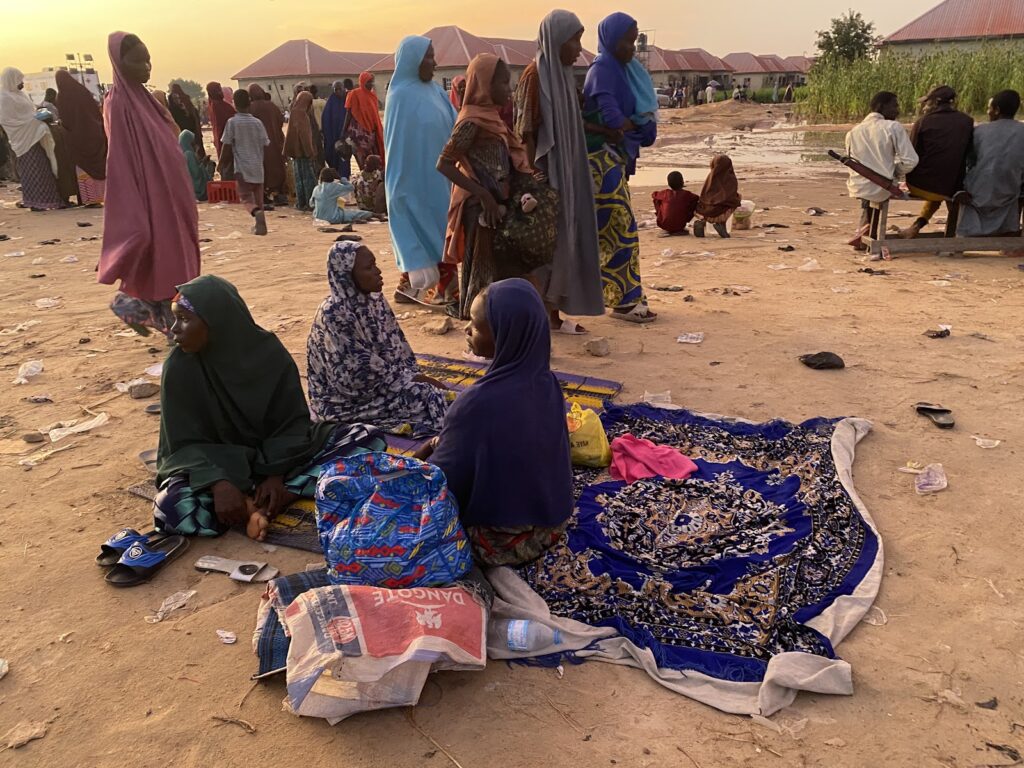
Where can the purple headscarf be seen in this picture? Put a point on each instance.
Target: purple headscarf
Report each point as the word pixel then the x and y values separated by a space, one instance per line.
pixel 607 87
pixel 504 447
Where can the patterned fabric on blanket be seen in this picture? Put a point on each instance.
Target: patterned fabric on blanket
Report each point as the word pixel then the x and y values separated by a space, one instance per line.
pixel 270 642
pixel 720 572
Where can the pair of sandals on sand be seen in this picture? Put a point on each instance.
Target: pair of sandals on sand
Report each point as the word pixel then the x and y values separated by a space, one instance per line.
pixel 135 558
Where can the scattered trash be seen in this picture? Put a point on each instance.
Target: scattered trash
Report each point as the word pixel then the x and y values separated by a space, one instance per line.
pixel 23 733
pixel 33 438
pixel 439 327
pixel 875 617
pixel 28 370
pixel 228 638
pixel 787 248
pixel 668 288
pixel 39 399
pixel 243 724
pixel 1010 752
pixel 779 267
pixel 404 316
pixel 688 299
pixel 47 303
pixel 811 265
pixel 690 338
pixel 231 236
pixel 124 386
pixel 156 370
pixel 982 336
pixel 83 224
pixel 870 271
pixel 169 605
pixel 939 283
pixel 39 457
pixel 764 722
pixel 731 290
pixel 14 254
pixel 38 260
pixel 947 696
pixel 19 327
pixel 658 398
pixel 5 667
pixel 932 479
pixel 942 333
pixel 835 742
pixel 72 259
pixel 992 703
pixel 64 637
pixel 77 428
pixel 841 289
pixel 823 361
pixel 984 442
pixel 142 390
pixel 54 241
pixel 598 347
pixel 668 252
pixel 815 211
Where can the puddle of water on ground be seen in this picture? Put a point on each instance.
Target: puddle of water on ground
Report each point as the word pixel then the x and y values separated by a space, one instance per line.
pixel 796 152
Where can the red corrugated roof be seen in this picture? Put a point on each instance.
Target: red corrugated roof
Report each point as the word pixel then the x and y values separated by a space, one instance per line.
pixel 705 61
pixel 801 64
pixel 522 52
pixel 304 58
pixel 964 19
pixel 745 63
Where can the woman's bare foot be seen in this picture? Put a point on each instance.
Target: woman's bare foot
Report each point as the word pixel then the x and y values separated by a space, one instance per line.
pixel 258 524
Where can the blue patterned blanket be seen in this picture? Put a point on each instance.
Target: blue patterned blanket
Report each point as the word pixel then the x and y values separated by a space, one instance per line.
pixel 723 571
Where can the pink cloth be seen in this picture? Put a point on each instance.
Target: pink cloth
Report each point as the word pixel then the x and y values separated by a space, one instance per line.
pixel 150 221
pixel 634 459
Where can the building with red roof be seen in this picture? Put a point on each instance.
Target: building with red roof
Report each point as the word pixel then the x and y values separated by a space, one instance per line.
pixel 964 24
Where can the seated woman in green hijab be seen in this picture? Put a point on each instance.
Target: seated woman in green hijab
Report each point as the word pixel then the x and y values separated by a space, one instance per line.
pixel 236 441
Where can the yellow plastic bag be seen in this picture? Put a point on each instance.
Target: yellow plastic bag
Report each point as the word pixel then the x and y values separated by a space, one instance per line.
pixel 587 439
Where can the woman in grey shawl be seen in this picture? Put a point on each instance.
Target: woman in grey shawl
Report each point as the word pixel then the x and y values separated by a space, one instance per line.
pixel 549 120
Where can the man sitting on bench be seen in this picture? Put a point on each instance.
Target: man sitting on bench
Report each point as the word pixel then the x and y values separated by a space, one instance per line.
pixel 990 203
pixel 942 138
pixel 881 143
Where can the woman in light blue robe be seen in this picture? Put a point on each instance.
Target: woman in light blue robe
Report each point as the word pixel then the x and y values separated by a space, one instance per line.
pixel 418 119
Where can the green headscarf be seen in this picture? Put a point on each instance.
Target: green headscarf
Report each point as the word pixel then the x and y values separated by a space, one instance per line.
pixel 235 410
pixel 186 140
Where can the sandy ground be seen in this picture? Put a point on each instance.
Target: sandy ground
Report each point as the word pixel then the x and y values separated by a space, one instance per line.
pixel 116 691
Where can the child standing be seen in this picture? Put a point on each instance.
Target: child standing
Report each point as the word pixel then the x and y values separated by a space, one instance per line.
pixel 242 146
pixel 675 206
pixel 327 204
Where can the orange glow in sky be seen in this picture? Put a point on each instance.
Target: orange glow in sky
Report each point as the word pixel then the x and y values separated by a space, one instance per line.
pixel 212 41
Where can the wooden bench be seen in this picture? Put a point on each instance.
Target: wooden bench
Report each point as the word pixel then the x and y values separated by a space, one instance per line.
pixel 878 240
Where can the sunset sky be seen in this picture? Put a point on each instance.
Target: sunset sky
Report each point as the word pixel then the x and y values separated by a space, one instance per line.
pixel 212 41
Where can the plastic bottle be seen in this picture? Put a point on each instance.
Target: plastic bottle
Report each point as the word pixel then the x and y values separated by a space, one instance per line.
pixel 521 635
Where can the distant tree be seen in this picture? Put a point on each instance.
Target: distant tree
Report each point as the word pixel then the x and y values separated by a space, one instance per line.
pixel 850 38
pixel 191 88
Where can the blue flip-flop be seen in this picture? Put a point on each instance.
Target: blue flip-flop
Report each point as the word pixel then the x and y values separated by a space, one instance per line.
pixel 112 549
pixel 141 561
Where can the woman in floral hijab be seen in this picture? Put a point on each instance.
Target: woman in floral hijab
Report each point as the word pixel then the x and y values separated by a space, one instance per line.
pixel 360 366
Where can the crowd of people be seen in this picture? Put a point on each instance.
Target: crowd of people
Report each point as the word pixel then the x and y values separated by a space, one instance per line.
pixel 507 207
pixel 977 171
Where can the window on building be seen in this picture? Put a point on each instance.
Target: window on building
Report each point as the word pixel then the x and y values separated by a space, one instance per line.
pixel 447 83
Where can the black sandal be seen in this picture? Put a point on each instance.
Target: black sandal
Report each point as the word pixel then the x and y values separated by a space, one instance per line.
pixel 940 416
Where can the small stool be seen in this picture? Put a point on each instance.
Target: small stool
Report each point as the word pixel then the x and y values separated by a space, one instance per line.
pixel 222 192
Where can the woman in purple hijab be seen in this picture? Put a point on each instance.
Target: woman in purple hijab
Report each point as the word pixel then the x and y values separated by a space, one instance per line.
pixel 504 447
pixel 619 106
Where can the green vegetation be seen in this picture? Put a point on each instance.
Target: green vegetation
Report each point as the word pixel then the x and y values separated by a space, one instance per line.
pixel 842 91
pixel 848 38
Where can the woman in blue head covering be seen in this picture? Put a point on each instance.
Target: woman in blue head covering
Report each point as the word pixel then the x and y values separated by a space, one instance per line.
pixel 418 119
pixel 504 447
pixel 619 107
